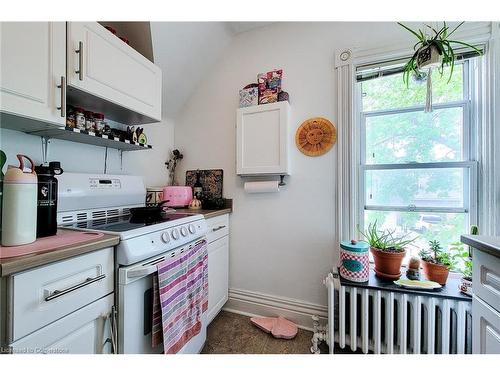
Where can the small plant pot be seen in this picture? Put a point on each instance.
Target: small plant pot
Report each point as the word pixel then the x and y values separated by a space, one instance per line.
pixel 428 57
pixel 388 263
pixel 465 286
pixel 435 272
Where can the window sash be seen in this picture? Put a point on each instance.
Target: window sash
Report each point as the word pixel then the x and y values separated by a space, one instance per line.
pixel 469 165
pixel 470 175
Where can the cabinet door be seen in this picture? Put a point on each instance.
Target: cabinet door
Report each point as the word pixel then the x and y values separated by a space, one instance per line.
pixel 263 139
pixel 110 69
pixel 218 276
pixel 32 63
pixel 485 328
pixel 86 331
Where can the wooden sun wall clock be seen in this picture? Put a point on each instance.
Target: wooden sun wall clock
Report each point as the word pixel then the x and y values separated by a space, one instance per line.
pixel 316 136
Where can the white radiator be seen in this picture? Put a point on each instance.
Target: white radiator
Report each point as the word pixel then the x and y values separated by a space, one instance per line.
pixel 393 322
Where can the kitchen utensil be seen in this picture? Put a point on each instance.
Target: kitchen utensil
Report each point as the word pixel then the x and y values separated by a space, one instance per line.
pixel 46 223
pixel 19 205
pixel 148 212
pixel 211 180
pixel 179 196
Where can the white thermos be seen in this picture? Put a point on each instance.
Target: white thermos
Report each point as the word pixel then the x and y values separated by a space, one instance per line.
pixel 19 204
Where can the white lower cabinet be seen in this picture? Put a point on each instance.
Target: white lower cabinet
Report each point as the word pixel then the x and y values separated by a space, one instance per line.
pixel 85 331
pixel 218 264
pixel 486 328
pixel 63 307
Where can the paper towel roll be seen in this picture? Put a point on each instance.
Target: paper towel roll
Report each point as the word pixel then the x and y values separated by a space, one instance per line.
pixel 262 187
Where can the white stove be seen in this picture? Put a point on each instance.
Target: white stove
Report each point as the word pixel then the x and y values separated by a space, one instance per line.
pixel 95 202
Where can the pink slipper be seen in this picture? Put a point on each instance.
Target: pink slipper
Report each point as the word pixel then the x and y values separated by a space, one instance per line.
pixel 279 327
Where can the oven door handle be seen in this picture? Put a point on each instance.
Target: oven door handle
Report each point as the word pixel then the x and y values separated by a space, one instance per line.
pixel 141 272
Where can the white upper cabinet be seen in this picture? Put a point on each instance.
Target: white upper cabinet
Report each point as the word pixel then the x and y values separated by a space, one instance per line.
pixel 32 66
pixel 262 144
pixel 103 66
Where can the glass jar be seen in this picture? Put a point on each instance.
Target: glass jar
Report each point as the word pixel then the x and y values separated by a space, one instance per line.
pixel 89 121
pixel 98 122
pixel 70 117
pixel 80 118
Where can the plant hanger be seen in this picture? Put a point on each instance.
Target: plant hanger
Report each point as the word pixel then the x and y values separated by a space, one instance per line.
pixel 433 50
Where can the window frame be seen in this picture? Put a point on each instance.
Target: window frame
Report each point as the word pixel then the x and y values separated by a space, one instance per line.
pixel 469 105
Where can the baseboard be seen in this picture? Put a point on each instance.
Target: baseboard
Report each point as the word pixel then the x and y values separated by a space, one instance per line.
pixel 251 304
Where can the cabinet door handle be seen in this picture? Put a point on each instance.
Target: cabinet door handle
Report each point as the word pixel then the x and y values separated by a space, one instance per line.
pixel 62 86
pixel 218 228
pixel 80 61
pixel 88 281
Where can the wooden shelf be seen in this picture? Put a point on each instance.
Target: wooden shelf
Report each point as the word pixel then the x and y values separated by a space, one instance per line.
pixel 75 135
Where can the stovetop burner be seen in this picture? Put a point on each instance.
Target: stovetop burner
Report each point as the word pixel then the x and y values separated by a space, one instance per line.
pixel 128 222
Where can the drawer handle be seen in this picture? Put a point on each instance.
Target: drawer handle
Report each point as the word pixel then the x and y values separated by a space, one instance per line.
pixel 59 293
pixel 218 228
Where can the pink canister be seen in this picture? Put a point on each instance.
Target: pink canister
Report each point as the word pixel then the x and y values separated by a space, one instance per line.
pixel 354 261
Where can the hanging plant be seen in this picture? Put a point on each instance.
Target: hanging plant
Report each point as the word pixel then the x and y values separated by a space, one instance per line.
pixel 433 50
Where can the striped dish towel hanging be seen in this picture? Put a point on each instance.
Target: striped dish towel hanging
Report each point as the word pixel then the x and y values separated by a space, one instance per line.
pixel 180 296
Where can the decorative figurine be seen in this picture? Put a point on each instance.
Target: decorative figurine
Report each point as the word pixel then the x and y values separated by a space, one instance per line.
pixel 413 271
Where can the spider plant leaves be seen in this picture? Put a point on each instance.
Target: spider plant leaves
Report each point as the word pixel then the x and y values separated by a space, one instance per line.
pixel 440 40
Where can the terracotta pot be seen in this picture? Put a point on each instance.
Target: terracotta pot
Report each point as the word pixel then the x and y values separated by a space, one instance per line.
pixel 435 272
pixel 387 264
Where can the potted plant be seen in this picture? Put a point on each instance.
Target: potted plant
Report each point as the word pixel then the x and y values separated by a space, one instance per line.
pixel 438 262
pixel 434 49
pixel 388 250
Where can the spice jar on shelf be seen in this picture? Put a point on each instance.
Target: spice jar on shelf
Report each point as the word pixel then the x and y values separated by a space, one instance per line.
pixel 98 122
pixel 89 121
pixel 70 117
pixel 80 118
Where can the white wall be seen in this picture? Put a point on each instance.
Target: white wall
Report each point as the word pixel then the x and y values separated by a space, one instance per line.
pixel 281 244
pixel 77 157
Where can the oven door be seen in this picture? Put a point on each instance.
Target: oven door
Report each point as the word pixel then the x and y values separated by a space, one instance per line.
pixel 135 309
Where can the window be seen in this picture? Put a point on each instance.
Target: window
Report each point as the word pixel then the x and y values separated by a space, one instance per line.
pixel 417 172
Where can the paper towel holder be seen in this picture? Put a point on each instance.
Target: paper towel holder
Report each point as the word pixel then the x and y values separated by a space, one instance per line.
pixel 282 180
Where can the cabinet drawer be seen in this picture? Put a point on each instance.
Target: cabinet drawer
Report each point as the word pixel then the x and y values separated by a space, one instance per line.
pixel 486 277
pixel 85 331
pixel 217 227
pixel 45 294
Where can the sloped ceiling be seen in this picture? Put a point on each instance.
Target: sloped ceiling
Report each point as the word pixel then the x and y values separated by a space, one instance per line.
pixel 186 51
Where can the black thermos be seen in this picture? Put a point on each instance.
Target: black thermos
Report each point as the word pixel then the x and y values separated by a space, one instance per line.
pixel 46 222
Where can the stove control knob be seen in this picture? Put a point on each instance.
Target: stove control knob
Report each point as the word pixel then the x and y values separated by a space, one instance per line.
pixel 175 234
pixel 165 237
pixel 192 229
pixel 184 231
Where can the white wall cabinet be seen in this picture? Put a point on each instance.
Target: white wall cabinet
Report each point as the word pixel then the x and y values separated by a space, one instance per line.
pixel 262 144
pixel 108 68
pixel 218 264
pixel 32 65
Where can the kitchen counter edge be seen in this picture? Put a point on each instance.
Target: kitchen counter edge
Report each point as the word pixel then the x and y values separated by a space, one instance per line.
pixel 488 244
pixel 14 265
